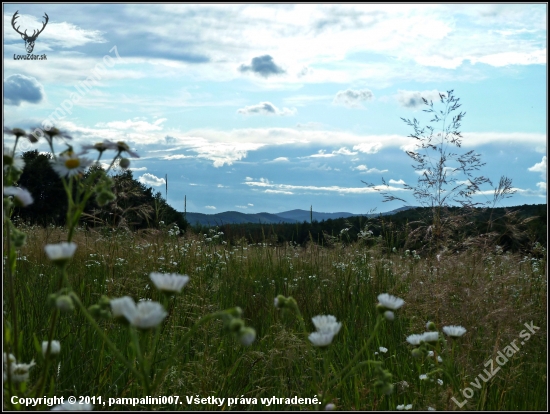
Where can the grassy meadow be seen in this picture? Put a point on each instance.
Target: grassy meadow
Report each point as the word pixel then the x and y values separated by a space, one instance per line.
pixel 490 293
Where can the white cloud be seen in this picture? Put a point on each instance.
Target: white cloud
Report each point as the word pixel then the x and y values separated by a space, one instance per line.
pixel 539 167
pixel 176 157
pixel 266 108
pixel 278 160
pixel 542 186
pixel 365 170
pixel 353 98
pixel 400 182
pixel 151 180
pixel 251 205
pixel 138 168
pixel 536 57
pixel 135 124
pixel 344 151
pixel 413 99
pixel 288 188
pixel 368 147
pixel 241 207
pixel 278 192
pixel 210 207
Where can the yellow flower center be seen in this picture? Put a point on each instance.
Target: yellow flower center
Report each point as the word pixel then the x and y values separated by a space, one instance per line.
pixel 72 163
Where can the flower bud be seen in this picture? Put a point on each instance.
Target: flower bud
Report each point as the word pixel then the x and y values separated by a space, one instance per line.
pixel 64 303
pixel 236 325
pixel 417 353
pixel 124 163
pixel 247 336
pixel 389 315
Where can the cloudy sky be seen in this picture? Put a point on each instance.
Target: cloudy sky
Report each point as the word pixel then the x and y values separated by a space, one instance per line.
pixel 270 108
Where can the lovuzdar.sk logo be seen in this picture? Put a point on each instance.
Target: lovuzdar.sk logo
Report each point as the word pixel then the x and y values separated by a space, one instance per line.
pixel 29 40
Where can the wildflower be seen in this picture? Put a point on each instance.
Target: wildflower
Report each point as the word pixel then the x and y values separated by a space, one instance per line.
pixel 60 253
pixel 440 381
pixel 383 350
pixel 454 331
pixel 55 348
pixel 400 407
pixel 330 407
pixel 327 327
pixel 390 301
pixel 123 147
pixel 430 336
pixel 247 336
pixel 423 377
pixel 11 160
pixel 21 197
pixel 70 165
pixel 18 372
pixel 415 339
pixel 169 282
pixel 408 407
pixel 439 359
pixel 101 146
pixel 144 315
pixel 67 406
pixel 431 409
pixel 18 132
pixel 122 306
pixel 430 326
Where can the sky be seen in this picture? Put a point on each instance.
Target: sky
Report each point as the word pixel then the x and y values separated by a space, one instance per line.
pixel 269 108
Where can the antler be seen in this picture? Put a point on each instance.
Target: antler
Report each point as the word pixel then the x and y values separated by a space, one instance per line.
pixel 34 34
pixel 15 16
pixel 43 27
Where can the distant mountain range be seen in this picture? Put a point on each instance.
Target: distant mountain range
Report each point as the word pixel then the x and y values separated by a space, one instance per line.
pixel 292 216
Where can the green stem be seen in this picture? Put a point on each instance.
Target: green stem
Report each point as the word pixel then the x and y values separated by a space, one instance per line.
pixel 184 340
pixel 111 345
pixel 353 362
pixel 144 369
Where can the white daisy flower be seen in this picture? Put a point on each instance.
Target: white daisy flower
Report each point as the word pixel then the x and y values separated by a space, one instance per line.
pixel 120 307
pixel 20 372
pixel 55 348
pixel 11 159
pixel 169 282
pixel 440 381
pixel 326 323
pixel 430 336
pixel 61 252
pixel 330 407
pixel 123 147
pixel 321 338
pixel 408 407
pixel 430 353
pixel 70 165
pixel 21 197
pixel 101 146
pixel 67 406
pixel 390 301
pixel 400 407
pixel 383 350
pixel 431 409
pixel 144 315
pixel 439 359
pixel 423 377
pixel 454 331
pixel 415 339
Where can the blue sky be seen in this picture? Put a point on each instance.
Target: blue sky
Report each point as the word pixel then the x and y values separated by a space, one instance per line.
pixel 268 108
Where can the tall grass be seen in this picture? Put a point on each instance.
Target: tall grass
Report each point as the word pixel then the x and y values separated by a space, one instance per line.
pixel 490 293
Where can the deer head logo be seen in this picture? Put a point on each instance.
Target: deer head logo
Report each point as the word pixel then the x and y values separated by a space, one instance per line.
pixel 29 40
